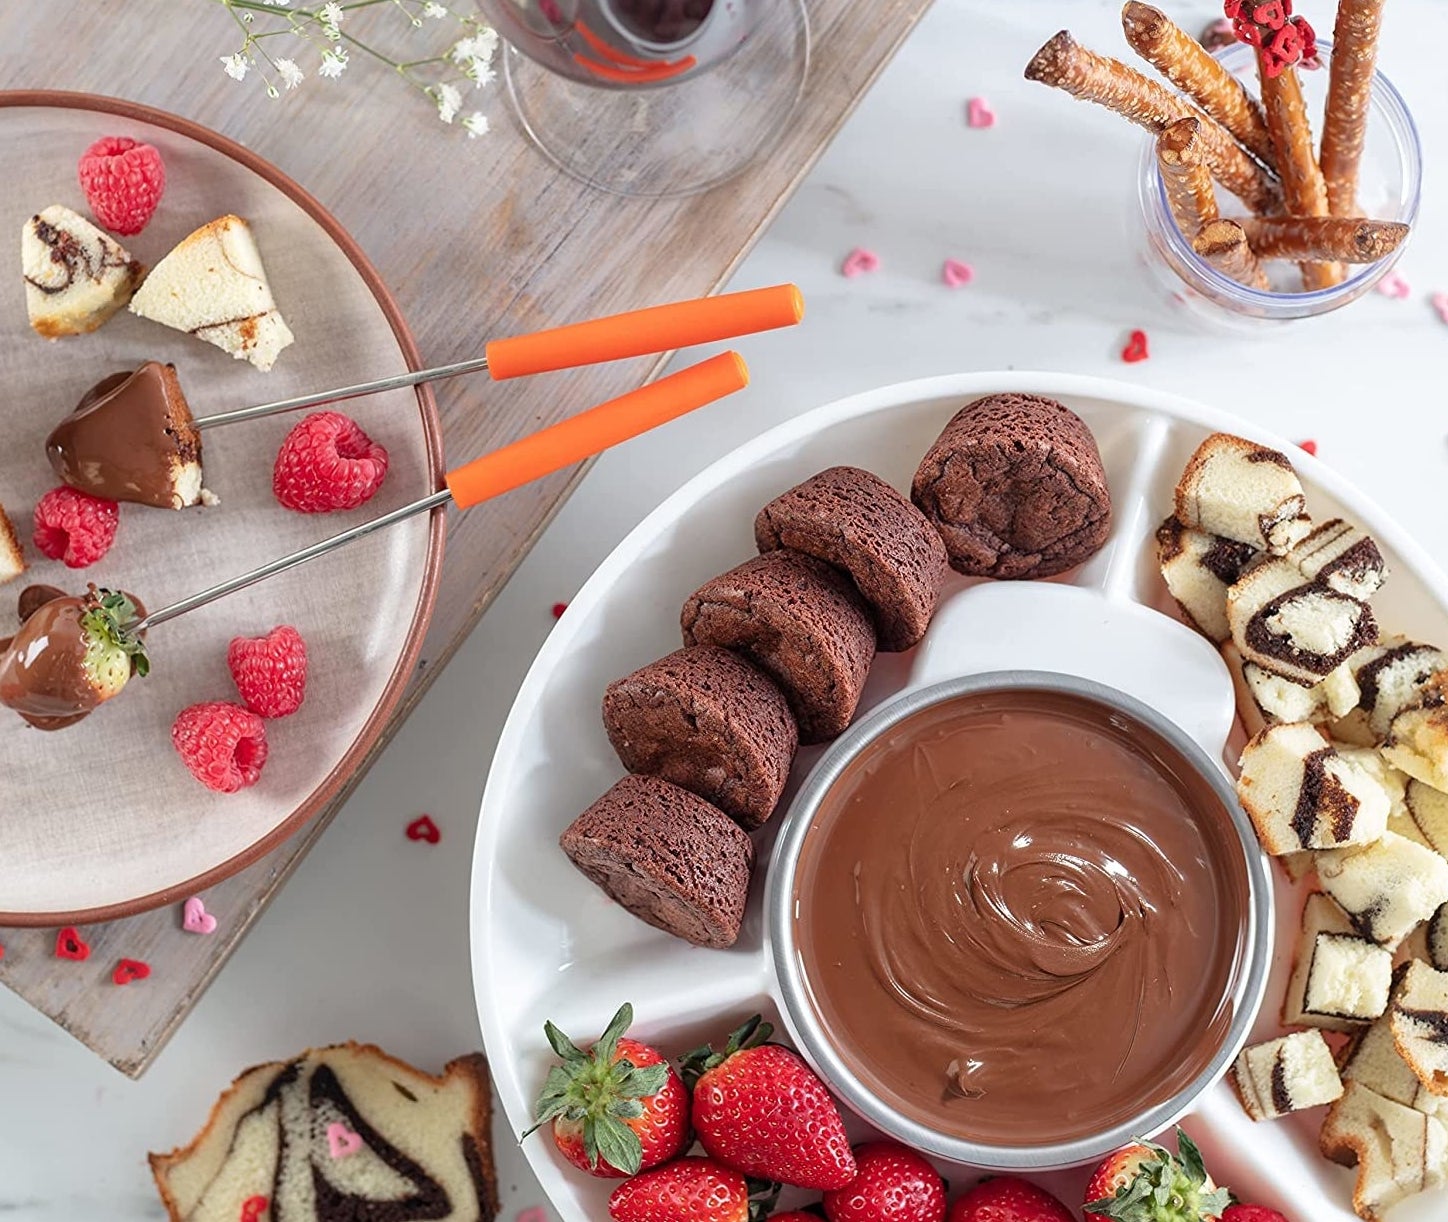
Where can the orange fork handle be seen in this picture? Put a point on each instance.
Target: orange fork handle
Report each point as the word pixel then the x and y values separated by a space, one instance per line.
pixel 597 429
pixel 657 329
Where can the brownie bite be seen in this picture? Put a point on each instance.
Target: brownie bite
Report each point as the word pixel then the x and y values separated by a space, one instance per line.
pixel 857 522
pixel 667 856
pixel 1015 486
pixel 800 621
pixel 706 720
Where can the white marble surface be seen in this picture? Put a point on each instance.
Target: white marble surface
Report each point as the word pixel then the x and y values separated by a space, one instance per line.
pixel 369 939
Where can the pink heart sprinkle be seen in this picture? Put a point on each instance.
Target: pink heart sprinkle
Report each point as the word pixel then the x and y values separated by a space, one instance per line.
pixel 1393 285
pixel 1440 303
pixel 534 1213
pixel 858 262
pixel 341 1141
pixel 195 918
pixel 979 114
pixel 955 273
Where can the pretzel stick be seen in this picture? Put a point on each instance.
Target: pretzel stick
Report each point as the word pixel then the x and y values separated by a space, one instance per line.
pixel 1349 90
pixel 1065 64
pixel 1185 63
pixel 1303 189
pixel 1189 190
pixel 1224 245
pixel 1351 239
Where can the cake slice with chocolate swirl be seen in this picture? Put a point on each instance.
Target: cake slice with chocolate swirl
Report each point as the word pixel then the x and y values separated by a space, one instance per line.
pixel 337 1134
pixel 76 276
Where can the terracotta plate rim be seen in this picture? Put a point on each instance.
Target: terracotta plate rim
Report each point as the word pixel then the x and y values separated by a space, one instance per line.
pixel 372 728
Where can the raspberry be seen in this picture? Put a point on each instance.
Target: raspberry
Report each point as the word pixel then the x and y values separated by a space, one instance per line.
pixel 327 462
pixel 123 181
pixel 75 526
pixel 223 744
pixel 270 671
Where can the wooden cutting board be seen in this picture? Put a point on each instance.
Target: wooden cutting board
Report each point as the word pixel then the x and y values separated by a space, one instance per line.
pixel 476 239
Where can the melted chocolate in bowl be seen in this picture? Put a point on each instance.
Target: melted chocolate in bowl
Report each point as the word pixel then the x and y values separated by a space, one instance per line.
pixel 1021 917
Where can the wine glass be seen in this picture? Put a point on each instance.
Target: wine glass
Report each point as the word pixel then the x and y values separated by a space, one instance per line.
pixel 653 97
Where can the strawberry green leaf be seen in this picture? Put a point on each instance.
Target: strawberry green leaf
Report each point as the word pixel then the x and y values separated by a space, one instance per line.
pixel 608 1042
pixel 1191 1158
pixel 562 1045
pixel 626 1109
pixel 618 1144
pixel 643 1081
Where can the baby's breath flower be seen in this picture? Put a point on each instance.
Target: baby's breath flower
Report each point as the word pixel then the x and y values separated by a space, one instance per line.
pixel 334 60
pixel 292 76
pixel 449 102
pixel 459 56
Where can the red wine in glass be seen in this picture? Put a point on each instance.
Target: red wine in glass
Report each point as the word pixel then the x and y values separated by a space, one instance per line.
pixel 624 44
pixel 656 97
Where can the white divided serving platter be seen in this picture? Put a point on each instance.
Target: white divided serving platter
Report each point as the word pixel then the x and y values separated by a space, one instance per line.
pixel 548 944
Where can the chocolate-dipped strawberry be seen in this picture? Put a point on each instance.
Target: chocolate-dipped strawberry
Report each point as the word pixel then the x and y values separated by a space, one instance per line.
pixel 132 438
pixel 70 656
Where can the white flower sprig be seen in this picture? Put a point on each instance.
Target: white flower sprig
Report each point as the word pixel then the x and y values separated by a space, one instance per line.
pixel 442 76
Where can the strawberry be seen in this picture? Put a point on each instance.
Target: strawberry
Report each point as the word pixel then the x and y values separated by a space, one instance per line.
pixel 1143 1182
pixel 616 1109
pixel 760 1109
pixel 893 1184
pixel 689 1190
pixel 71 655
pixel 1008 1198
pixel 1252 1213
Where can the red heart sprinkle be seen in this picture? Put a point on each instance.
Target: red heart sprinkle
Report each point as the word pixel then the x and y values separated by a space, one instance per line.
pixel 1270 14
pixel 128 970
pixel 1308 447
pixel 69 945
pixel 1136 349
pixel 2 952
pixel 253 1207
pixel 423 828
pixel 559 609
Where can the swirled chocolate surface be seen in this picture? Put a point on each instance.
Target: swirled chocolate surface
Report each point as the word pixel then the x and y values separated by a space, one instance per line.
pixel 1021 917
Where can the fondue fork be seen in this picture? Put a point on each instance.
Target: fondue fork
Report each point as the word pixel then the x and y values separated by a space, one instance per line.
pixel 532 457
pixel 681 324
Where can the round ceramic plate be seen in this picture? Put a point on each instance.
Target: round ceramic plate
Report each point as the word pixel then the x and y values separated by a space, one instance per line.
pixel 548 944
pixel 102 819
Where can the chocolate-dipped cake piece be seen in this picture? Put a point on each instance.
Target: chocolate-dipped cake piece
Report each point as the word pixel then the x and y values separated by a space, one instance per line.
pixel 132 438
pixel 340 1134
pixel 1015 486
pixel 706 720
pixel 857 522
pixel 667 856
pixel 800 621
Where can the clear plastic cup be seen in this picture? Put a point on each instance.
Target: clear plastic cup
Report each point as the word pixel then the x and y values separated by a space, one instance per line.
pixel 1389 190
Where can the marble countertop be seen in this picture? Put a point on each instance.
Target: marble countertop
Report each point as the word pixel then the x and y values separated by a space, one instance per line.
pixel 369 940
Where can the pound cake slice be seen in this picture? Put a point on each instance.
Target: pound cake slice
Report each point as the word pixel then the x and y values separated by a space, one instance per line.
pixel 1387 888
pixel 1286 1075
pixel 1240 490
pixel 341 1132
pixel 76 276
pixel 213 286
pixel 1419 1019
pixel 12 555
pixel 1198 569
pixel 1398 1152
pixel 1373 1059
